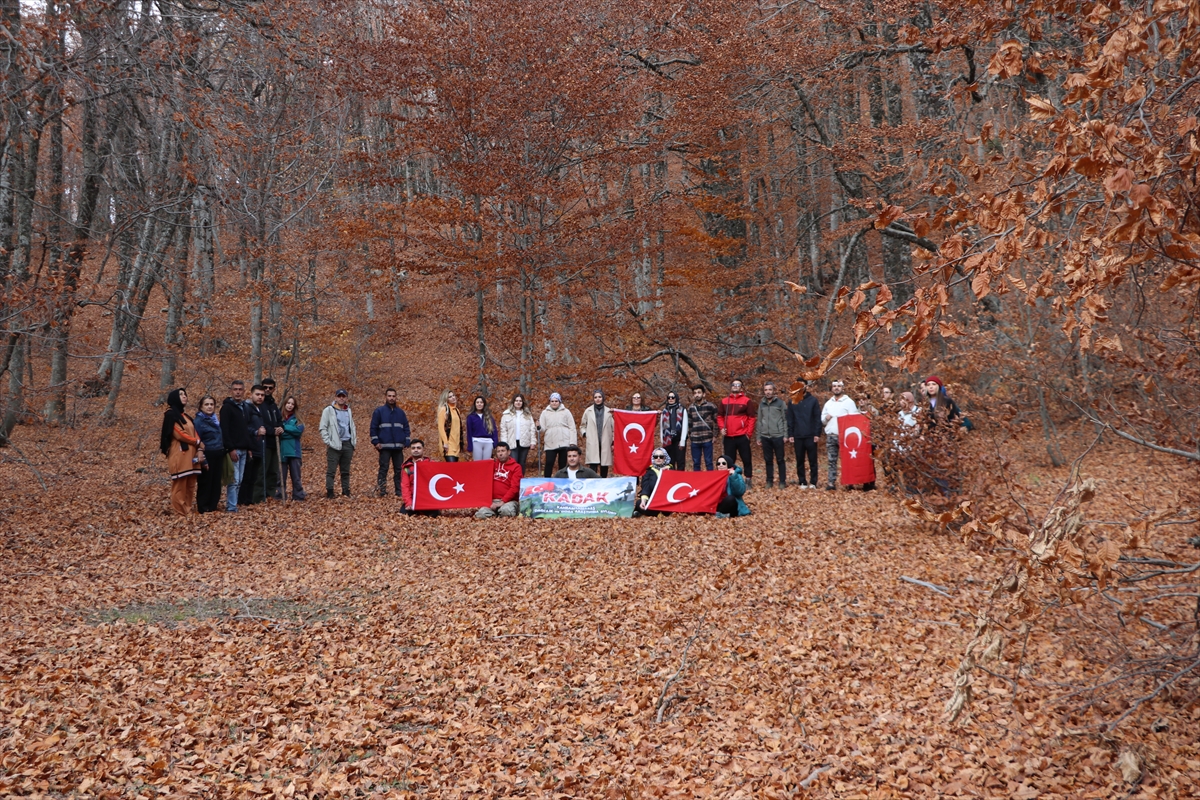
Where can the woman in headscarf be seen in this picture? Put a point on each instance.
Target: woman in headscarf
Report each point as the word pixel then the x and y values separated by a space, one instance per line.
pixel 558 425
pixel 452 428
pixel 596 428
pixel 184 451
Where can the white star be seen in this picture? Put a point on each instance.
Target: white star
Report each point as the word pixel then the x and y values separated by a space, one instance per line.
pixel 693 492
pixel 854 454
pixel 458 487
pixel 633 448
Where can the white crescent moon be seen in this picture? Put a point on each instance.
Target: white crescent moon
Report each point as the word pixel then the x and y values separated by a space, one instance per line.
pixel 674 489
pixel 625 433
pixel 433 487
pixel 846 437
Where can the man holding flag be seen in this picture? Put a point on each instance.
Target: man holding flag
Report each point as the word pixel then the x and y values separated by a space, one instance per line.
pixel 506 485
pixel 839 405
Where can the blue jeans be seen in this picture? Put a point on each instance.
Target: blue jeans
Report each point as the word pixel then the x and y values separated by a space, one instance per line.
pixel 706 449
pixel 231 491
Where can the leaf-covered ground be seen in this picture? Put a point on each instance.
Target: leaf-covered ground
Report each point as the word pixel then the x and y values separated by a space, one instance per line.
pixel 328 648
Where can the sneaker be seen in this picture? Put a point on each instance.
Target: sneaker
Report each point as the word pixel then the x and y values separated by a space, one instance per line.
pixel 831 488
pixel 329 495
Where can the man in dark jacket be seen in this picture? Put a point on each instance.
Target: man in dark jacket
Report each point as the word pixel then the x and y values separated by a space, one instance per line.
pixel 273 422
pixel 255 477
pixel 702 427
pixel 804 430
pixel 389 435
pixel 237 439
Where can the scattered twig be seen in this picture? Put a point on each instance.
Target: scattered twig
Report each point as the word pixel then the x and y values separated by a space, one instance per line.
pixel 816 773
pixel 663 700
pixel 25 461
pixel 932 586
pixel 519 636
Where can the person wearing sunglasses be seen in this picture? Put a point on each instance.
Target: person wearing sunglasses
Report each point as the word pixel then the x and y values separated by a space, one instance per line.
pixel 732 504
pixel 659 460
pixel 674 429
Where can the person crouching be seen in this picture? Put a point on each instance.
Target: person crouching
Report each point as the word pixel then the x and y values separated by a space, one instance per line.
pixel 506 485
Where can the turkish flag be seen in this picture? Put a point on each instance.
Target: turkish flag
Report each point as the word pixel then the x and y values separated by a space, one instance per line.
pixel 633 441
pixel 688 492
pixel 452 484
pixel 854 449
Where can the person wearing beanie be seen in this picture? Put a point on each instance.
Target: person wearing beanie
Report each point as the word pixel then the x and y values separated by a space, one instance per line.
pixel 939 404
pixel 557 425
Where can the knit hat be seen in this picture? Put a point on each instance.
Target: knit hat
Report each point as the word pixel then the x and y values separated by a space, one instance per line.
pixel 937 380
pixel 555 396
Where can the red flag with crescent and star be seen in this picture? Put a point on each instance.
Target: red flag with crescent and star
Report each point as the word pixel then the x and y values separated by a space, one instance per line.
pixel 452 484
pixel 688 492
pixel 854 449
pixel 633 441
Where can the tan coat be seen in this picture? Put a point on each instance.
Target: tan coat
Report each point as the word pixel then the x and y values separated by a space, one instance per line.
pixel 180 457
pixel 508 428
pixel 558 428
pixel 454 441
pixel 599 438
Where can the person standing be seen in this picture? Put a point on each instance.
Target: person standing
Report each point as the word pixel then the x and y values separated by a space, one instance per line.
pixel 389 436
pixel 772 430
pixel 340 438
pixel 939 404
pixel 736 419
pixel 596 427
pixel 506 486
pixel 256 476
pixel 575 468
pixel 804 431
pixel 518 429
pixel 208 482
pixel 452 428
pixel 839 405
pixel 273 422
pixel 417 450
pixel 184 451
pixel 557 425
pixel 289 449
pixel 481 429
pixel 702 426
pixel 674 430
pixel 236 436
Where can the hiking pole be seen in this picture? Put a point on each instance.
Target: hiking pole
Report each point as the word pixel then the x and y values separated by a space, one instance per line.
pixel 279 470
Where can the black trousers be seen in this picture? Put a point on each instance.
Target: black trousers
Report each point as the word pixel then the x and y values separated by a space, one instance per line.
pixel 252 489
pixel 208 484
pixel 519 454
pixel 599 470
pixel 273 468
pixel 675 455
pixel 559 455
pixel 775 453
pixel 395 457
pixel 806 448
pixel 740 446
pixel 728 505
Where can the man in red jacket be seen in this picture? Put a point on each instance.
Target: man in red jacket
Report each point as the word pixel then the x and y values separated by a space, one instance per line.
pixel 506 485
pixel 735 417
pixel 406 479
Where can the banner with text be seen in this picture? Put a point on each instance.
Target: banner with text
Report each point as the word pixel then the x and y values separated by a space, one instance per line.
pixel 563 498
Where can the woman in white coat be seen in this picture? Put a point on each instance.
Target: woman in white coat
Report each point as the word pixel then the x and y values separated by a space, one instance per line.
pixel 518 429
pixel 596 427
pixel 557 425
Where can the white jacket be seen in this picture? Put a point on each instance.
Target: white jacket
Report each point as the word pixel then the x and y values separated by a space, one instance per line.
pixel 508 428
pixel 558 428
pixel 329 429
pixel 835 408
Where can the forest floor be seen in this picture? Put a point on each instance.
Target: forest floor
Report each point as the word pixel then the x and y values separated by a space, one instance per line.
pixel 337 648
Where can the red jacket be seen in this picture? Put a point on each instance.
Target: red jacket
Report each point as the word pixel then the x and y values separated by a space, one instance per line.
pixel 506 482
pixel 406 480
pixel 736 414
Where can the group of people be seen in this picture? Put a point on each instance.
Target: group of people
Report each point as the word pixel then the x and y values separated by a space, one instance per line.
pixel 252 446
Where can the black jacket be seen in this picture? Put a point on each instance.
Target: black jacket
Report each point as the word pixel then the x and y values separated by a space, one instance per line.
pixel 272 417
pixel 804 418
pixel 233 424
pixel 946 408
pixel 254 421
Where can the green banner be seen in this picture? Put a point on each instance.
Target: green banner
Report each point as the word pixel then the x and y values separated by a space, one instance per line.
pixel 563 498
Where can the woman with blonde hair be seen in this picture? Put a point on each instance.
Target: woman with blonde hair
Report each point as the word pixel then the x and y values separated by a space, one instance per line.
pixel 518 429
pixel 452 428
